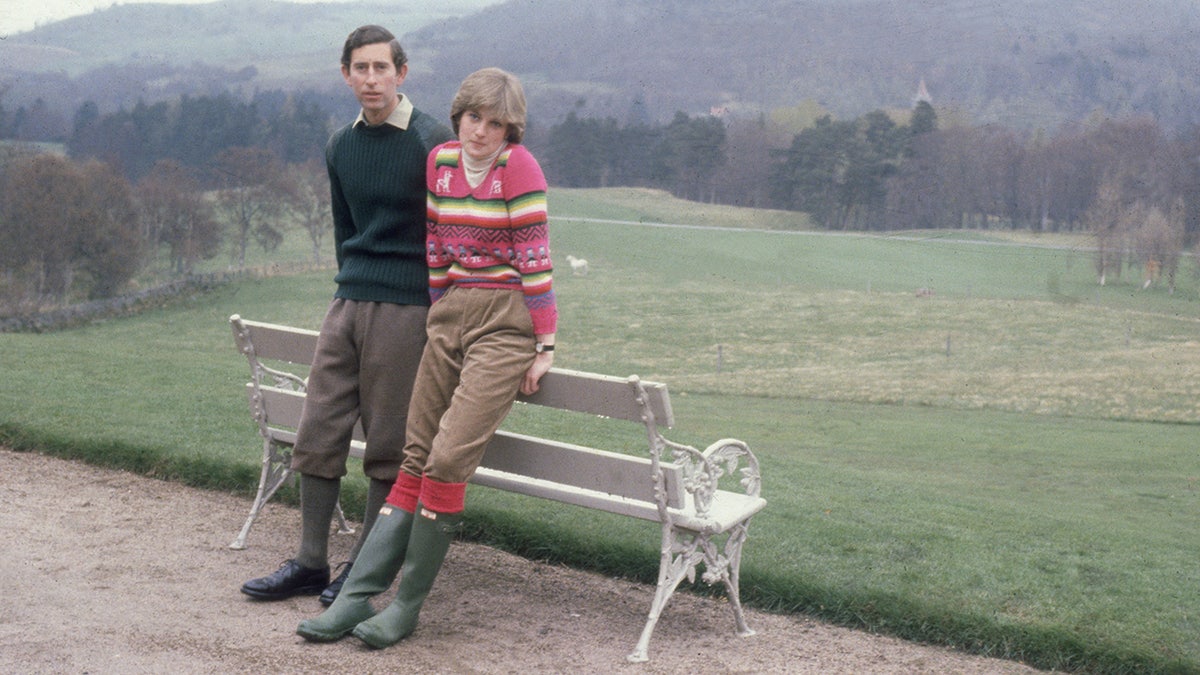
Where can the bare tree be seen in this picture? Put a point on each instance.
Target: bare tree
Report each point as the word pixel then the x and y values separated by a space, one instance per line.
pixel 308 202
pixel 174 212
pixel 251 185
pixel 747 180
pixel 1157 244
pixel 1106 218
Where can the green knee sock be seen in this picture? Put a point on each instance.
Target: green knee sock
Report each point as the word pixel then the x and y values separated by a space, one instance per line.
pixel 318 499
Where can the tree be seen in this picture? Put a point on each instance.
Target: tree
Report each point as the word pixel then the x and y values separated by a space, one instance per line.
pixel 1158 243
pixel 875 153
pixel 296 129
pixel 747 180
pixel 109 239
pixel 40 122
pixel 810 173
pixel 1135 233
pixel 67 229
pixel 838 171
pixel 6 130
pixel 924 119
pixel 919 194
pixel 692 152
pixel 205 126
pixel 580 152
pixel 1189 185
pixel 309 202
pixel 174 212
pixel 250 183
pixel 34 241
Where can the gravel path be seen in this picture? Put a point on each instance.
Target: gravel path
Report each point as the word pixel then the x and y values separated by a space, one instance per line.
pixel 108 572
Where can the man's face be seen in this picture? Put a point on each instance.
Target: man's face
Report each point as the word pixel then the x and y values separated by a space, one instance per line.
pixel 374 79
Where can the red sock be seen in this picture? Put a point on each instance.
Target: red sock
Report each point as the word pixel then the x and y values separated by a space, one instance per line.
pixel 442 497
pixel 405 492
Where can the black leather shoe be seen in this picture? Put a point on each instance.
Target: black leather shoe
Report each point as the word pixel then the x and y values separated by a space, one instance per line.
pixel 289 580
pixel 331 591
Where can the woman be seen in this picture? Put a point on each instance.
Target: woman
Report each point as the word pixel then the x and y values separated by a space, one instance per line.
pixel 491 332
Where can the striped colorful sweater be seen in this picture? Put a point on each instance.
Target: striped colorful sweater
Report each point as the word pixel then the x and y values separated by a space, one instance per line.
pixel 492 236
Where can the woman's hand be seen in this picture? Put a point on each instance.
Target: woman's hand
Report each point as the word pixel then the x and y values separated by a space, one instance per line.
pixel 541 364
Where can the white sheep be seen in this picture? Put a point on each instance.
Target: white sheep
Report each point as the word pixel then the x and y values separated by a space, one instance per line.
pixel 579 266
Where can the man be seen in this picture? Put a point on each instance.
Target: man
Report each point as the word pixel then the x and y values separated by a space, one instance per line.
pixel 374 331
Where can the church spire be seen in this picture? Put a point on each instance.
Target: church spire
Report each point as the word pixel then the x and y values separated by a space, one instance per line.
pixel 922 94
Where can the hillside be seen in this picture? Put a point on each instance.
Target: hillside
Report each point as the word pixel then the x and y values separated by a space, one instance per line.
pixel 1020 63
pixel 1024 63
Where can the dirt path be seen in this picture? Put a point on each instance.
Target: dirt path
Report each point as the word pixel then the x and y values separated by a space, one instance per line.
pixel 107 572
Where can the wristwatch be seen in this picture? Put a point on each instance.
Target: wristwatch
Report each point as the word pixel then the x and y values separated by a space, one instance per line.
pixel 540 347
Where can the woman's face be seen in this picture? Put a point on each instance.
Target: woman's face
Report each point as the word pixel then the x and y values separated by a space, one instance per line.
pixel 480 133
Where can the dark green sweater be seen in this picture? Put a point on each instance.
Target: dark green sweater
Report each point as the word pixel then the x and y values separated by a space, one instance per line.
pixel 377 181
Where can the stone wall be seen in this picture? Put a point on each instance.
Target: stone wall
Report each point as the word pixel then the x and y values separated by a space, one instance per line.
pixel 132 303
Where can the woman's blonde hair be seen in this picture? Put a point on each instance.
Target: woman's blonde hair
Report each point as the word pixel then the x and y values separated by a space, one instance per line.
pixel 495 92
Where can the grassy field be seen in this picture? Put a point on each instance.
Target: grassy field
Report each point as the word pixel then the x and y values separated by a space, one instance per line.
pixel 1005 463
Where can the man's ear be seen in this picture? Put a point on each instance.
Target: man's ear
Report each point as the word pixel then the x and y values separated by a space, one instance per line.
pixel 401 74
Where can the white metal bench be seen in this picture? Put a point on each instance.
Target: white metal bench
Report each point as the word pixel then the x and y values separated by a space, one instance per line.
pixel 677 486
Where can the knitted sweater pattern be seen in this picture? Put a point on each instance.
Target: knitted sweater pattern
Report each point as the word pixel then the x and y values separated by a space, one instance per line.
pixel 494 235
pixel 377 185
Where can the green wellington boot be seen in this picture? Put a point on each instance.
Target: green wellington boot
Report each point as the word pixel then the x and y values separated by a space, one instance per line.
pixel 374 570
pixel 428 545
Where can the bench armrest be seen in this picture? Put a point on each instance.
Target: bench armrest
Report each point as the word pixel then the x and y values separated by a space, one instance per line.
pixel 703 471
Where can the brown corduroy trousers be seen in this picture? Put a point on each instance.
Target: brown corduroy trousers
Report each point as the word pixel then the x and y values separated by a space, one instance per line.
pixel 480 345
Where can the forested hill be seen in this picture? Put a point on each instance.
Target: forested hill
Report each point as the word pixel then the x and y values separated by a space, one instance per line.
pixel 1022 63
pixel 1019 62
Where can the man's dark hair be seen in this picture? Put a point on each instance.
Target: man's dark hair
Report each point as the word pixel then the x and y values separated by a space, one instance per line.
pixel 369 35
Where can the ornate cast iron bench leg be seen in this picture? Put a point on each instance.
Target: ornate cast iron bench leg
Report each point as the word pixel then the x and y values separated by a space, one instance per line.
pixel 730 575
pixel 276 469
pixel 681 553
pixel 679 558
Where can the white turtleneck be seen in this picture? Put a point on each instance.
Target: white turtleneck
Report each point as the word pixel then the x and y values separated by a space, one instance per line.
pixel 476 169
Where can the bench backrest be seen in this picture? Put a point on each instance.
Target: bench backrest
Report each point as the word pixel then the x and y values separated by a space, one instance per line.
pixel 278 402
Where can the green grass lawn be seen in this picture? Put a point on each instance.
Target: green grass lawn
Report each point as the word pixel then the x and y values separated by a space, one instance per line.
pixel 1006 466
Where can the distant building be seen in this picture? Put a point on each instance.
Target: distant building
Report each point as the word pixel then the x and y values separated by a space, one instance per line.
pixel 922 94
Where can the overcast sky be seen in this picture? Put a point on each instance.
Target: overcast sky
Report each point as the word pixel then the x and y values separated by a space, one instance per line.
pixel 17 16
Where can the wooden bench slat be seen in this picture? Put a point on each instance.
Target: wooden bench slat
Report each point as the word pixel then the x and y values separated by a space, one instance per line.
pixel 602 395
pixel 282 343
pixel 534 487
pixel 580 467
pixel 284 407
pixel 561 388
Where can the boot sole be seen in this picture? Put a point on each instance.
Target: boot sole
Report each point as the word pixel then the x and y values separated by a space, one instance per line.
pixel 370 642
pixel 375 641
pixel 314 636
